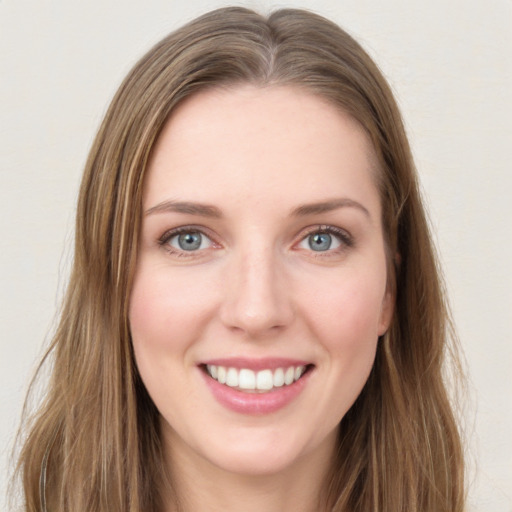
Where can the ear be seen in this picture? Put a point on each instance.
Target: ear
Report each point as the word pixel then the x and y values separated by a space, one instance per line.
pixel 386 311
pixel 388 302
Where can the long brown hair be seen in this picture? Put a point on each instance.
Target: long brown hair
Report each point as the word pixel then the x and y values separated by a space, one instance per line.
pixel 94 444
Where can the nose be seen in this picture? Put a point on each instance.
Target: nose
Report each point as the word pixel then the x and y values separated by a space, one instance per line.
pixel 257 299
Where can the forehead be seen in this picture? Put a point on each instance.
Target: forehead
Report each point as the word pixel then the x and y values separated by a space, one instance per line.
pixel 252 141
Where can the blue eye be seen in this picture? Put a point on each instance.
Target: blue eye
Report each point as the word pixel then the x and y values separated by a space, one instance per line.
pixel 189 241
pixel 325 239
pixel 320 241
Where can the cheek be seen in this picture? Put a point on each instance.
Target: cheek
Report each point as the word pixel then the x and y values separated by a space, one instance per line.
pixel 165 309
pixel 164 317
pixel 159 331
pixel 148 326
pixel 345 318
pixel 150 322
pixel 349 309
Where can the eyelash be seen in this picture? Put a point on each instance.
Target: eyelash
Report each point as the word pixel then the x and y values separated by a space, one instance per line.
pixel 346 240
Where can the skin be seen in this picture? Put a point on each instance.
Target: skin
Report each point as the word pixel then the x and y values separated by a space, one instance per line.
pixel 256 289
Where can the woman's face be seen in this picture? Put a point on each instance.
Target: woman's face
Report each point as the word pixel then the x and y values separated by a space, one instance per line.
pixel 260 289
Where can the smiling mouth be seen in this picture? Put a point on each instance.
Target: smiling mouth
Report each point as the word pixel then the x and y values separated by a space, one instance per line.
pixel 262 381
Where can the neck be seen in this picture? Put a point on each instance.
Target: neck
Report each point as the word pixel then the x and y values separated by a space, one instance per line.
pixel 197 484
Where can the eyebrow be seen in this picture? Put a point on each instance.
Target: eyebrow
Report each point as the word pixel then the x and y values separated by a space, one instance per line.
pixel 208 210
pixel 187 207
pixel 328 206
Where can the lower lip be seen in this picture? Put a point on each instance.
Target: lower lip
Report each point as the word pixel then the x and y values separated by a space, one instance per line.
pixel 255 403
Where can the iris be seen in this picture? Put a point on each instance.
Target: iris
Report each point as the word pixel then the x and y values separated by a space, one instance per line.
pixel 190 241
pixel 320 241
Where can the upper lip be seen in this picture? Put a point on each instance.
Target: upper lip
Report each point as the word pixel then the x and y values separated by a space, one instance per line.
pixel 267 363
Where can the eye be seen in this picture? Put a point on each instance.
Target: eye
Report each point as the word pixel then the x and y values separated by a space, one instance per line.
pixel 321 242
pixel 185 240
pixel 325 239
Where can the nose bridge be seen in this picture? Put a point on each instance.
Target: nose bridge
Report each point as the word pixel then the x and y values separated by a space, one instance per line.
pixel 256 298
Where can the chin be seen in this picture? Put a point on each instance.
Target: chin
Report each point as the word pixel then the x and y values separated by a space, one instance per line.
pixel 253 465
pixel 262 456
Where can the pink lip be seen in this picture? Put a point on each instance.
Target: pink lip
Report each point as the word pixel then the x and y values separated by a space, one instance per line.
pixel 255 403
pixel 271 363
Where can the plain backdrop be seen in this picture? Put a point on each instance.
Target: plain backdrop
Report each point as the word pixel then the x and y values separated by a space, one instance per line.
pixel 450 65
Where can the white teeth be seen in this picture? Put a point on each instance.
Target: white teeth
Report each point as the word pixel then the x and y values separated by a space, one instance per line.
pixel 232 378
pixel 221 374
pixel 278 378
pixel 248 380
pixel 265 380
pixel 212 370
pixel 289 375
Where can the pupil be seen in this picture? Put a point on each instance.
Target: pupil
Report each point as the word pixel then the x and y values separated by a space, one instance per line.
pixel 320 241
pixel 189 241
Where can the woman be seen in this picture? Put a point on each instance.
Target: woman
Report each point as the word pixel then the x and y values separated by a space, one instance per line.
pixel 254 317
